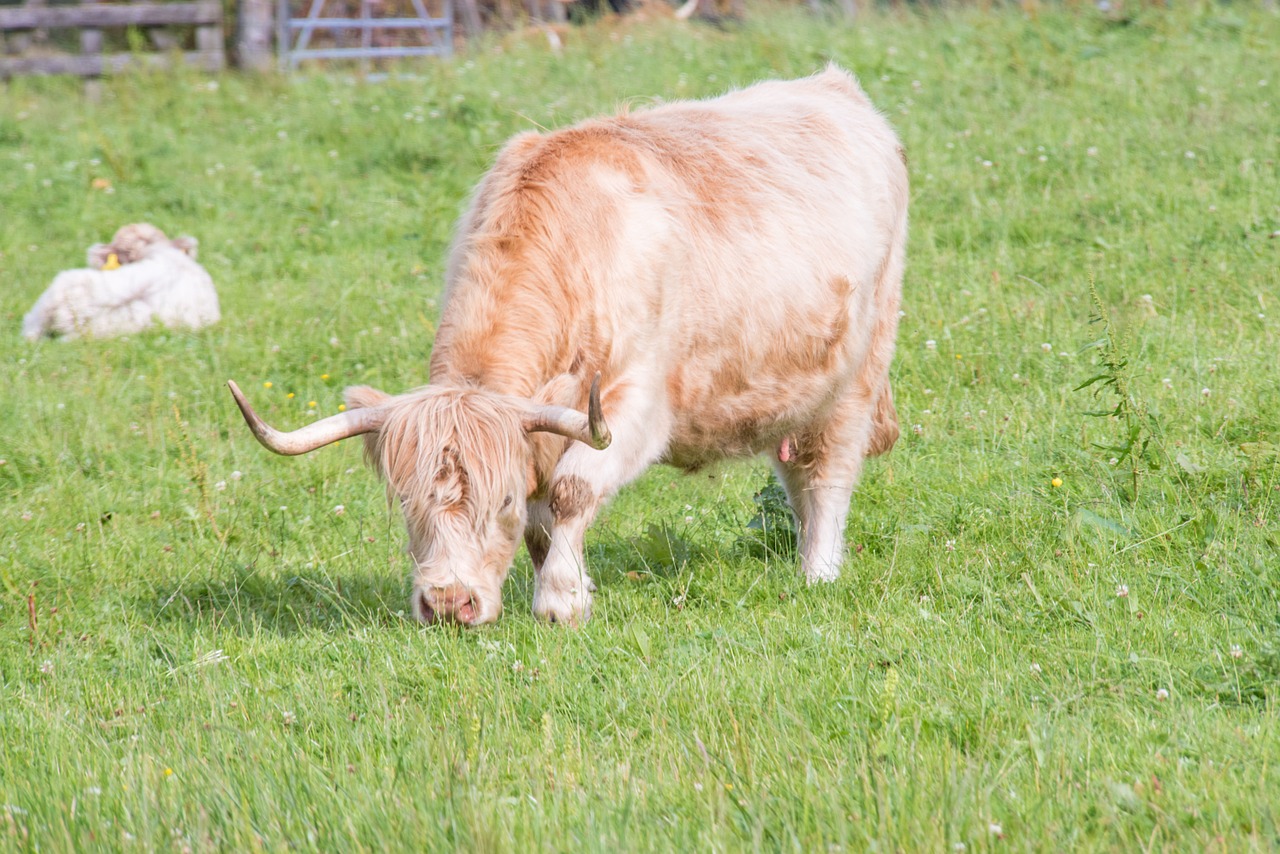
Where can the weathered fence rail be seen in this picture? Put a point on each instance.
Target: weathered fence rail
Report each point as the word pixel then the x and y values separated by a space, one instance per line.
pixel 91 18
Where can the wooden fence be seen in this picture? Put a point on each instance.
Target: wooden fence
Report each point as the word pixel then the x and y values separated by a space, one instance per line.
pixel 25 54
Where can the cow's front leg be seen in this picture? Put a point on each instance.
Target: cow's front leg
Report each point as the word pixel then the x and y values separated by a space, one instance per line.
pixel 561 586
pixel 583 481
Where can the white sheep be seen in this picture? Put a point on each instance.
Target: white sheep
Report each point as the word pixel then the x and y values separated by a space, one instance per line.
pixel 150 278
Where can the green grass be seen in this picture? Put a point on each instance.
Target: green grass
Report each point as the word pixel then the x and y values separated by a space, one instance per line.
pixel 975 666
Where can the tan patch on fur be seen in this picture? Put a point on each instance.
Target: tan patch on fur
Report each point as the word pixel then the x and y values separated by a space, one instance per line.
pixel 571 496
pixel 737 400
pixel 884 425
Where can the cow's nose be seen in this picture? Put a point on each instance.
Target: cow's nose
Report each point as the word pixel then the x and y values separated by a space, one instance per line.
pixel 422 608
pixel 453 604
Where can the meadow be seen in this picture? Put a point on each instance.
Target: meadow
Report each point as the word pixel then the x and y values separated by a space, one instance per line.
pixel 1056 629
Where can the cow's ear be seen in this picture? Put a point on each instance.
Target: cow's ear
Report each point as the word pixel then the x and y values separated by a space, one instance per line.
pixel 186 244
pixel 97 255
pixel 364 397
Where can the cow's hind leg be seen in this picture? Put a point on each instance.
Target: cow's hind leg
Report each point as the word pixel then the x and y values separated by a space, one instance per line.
pixel 819 479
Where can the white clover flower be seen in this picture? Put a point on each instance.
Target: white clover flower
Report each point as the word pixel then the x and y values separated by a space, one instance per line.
pixel 1122 590
pixel 1236 651
pixel 339 510
pixel 931 344
pixel 1162 695
pixel 1047 347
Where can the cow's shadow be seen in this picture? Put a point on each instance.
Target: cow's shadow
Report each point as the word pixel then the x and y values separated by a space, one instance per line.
pixel 250 601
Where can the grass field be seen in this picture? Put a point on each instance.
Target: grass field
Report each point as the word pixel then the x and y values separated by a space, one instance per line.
pixel 222 657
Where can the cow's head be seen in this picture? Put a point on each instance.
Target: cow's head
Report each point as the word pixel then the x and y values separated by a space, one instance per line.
pixel 461 465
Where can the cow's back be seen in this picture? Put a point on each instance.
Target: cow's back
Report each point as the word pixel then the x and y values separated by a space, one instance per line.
pixel 770 281
pixel 732 246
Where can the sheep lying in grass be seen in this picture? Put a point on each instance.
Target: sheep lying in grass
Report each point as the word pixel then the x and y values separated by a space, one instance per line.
pixel 140 277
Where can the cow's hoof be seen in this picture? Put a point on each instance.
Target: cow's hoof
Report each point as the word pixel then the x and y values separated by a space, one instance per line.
pixel 569 607
pixel 821 574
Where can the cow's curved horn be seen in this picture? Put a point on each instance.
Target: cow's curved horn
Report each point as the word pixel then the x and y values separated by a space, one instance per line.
pixel 686 11
pixel 326 431
pixel 589 429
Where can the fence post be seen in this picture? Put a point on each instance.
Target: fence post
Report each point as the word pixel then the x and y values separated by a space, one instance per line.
pixel 253 34
pixel 471 18
pixel 90 39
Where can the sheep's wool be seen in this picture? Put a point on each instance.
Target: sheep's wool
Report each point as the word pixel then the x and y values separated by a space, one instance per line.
pixel 153 280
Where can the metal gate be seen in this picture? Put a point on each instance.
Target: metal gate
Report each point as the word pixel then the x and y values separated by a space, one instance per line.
pixel 294 36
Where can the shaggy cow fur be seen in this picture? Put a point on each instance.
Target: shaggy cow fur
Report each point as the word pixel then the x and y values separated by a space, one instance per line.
pixel 731 269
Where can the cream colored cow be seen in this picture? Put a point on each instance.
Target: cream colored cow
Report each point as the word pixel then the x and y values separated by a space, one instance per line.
pixel 728 270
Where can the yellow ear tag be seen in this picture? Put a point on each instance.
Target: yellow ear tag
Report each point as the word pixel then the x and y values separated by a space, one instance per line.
pixel 112 262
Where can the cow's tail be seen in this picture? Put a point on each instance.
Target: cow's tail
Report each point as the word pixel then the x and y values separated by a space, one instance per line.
pixel 884 427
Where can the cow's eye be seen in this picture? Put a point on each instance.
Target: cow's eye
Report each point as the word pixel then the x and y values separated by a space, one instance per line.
pixel 507 502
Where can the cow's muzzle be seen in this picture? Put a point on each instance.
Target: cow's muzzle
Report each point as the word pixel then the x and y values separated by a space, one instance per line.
pixel 452 604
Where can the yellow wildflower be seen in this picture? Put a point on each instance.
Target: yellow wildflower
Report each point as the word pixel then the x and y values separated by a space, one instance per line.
pixel 267 384
pixel 1057 481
